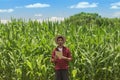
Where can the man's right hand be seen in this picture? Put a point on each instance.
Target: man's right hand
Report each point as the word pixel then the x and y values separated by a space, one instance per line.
pixel 55 57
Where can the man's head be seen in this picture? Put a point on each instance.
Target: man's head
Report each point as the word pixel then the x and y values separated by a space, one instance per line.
pixel 60 40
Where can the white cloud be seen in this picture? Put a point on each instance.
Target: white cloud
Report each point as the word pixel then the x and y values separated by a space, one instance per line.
pixel 4 21
pixel 56 19
pixel 18 7
pixel 37 5
pixel 84 5
pixel 53 19
pixel 116 14
pixel 115 5
pixel 6 10
pixel 38 15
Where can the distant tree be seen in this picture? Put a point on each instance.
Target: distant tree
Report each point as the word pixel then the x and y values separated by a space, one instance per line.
pixel 88 19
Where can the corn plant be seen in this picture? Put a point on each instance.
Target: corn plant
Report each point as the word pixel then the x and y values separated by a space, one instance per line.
pixel 26 47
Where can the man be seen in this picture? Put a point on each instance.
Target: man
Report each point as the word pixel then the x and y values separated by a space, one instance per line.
pixel 61 55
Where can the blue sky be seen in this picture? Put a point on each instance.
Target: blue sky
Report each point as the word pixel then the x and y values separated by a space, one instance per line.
pixel 56 9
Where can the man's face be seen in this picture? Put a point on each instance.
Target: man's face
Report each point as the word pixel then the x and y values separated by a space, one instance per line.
pixel 60 41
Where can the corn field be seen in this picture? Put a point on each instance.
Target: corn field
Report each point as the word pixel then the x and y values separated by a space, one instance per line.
pixel 25 49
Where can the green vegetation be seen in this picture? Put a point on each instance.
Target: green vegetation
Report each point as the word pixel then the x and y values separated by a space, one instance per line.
pixel 25 48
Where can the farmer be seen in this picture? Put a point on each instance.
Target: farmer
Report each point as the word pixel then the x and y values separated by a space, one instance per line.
pixel 61 60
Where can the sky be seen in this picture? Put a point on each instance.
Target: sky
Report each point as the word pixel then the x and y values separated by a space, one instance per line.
pixel 56 9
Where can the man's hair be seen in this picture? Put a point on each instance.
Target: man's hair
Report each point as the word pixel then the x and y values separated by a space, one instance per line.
pixel 60 37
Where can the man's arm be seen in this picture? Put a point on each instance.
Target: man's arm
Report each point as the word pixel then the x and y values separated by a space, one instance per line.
pixel 54 57
pixel 69 57
pixel 66 58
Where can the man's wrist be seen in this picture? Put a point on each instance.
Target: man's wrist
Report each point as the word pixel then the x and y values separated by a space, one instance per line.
pixel 65 58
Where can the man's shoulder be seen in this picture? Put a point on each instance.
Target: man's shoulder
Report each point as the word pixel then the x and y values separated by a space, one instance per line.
pixel 66 48
pixel 53 49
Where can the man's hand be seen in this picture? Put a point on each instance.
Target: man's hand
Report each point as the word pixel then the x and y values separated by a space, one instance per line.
pixel 66 58
pixel 54 59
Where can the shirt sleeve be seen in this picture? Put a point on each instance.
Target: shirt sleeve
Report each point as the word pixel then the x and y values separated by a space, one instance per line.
pixel 69 53
pixel 53 54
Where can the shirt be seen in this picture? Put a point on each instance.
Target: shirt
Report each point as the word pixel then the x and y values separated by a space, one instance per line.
pixel 60 49
pixel 61 63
